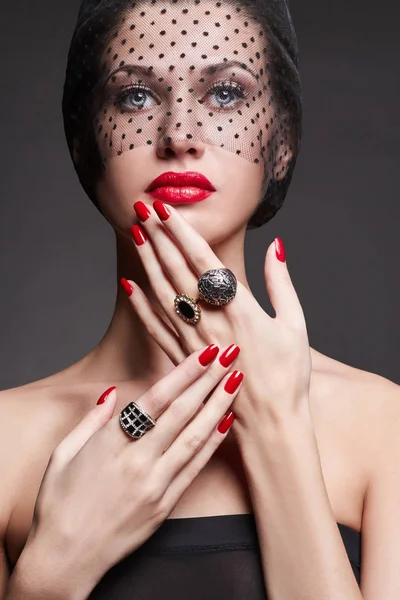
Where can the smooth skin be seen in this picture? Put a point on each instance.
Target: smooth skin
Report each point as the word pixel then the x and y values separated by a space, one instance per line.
pixel 356 414
pixel 274 356
pixel 134 486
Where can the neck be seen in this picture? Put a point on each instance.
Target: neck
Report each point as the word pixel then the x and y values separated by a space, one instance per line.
pixel 126 351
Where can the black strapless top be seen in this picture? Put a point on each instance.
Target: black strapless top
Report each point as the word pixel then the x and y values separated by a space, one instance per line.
pixel 202 558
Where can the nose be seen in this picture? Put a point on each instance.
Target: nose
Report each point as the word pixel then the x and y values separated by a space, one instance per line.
pixel 178 147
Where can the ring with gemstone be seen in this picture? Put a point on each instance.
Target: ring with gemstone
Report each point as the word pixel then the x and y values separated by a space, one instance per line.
pixel 188 309
pixel 217 287
pixel 135 421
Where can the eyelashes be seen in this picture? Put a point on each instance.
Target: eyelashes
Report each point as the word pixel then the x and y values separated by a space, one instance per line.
pixel 222 95
pixel 231 88
pixel 133 97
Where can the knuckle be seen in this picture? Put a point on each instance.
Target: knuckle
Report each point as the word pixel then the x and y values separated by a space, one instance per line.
pixel 213 375
pixel 163 509
pixel 175 264
pixel 178 410
pixel 191 368
pixel 199 257
pixel 200 254
pixel 193 471
pixel 194 442
pixel 153 328
pixel 164 297
pixel 150 492
pixel 155 398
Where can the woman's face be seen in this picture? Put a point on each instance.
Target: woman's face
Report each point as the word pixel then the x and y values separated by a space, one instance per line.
pixel 161 106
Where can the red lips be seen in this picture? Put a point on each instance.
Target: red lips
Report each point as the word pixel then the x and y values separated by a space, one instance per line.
pixel 178 188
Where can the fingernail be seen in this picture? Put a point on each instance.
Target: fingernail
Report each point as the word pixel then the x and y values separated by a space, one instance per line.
pixel 127 286
pixel 105 395
pixel 230 354
pixel 280 250
pixel 142 211
pixel 226 422
pixel 233 382
pixel 161 210
pixel 138 235
pixel 208 355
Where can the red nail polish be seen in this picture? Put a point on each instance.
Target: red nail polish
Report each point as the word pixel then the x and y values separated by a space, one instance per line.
pixel 208 355
pixel 127 286
pixel 138 235
pixel 142 211
pixel 280 250
pixel 161 210
pixel 233 382
pixel 226 422
pixel 230 354
pixel 105 395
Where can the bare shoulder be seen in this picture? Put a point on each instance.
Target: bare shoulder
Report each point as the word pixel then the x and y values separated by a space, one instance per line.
pixel 30 411
pixel 34 418
pixel 363 403
pixel 356 384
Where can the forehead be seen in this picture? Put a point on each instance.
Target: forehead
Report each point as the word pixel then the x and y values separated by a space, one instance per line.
pixel 186 35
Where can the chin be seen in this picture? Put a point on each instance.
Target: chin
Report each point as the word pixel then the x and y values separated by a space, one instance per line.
pixel 216 224
pixel 221 216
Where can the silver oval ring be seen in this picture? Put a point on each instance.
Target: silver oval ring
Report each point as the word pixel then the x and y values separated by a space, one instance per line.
pixel 218 286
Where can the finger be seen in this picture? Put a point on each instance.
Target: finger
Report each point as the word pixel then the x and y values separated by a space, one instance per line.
pixel 92 422
pixel 193 246
pixel 183 409
pixel 189 453
pixel 155 326
pixel 169 254
pixel 280 289
pixel 159 397
pixel 163 289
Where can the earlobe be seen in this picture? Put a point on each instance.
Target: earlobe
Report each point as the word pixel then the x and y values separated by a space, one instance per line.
pixel 283 161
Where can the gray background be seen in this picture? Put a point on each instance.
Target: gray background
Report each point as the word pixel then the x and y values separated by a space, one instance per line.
pixel 340 222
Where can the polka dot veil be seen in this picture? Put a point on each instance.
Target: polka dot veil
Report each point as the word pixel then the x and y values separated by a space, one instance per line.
pixel 153 72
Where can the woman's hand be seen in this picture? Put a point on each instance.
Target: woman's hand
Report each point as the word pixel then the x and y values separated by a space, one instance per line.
pixel 275 351
pixel 103 494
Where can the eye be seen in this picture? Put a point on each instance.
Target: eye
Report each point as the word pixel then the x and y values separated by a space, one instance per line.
pixel 136 97
pixel 226 94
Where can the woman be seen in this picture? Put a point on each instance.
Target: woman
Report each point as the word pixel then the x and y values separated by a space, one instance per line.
pixel 183 120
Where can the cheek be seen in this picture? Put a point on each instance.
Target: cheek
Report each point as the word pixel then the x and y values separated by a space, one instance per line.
pixel 227 211
pixel 244 184
pixel 237 180
pixel 122 184
pixel 241 190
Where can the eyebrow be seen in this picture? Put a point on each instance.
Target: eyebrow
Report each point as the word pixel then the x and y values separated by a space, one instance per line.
pixel 225 65
pixel 208 70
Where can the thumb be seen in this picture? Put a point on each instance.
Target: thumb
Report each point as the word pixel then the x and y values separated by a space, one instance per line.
pixel 281 291
pixel 92 422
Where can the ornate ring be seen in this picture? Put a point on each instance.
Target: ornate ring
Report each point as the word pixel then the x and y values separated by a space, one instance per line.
pixel 218 286
pixel 187 309
pixel 135 421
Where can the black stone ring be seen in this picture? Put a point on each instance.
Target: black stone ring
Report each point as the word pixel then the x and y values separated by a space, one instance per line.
pixel 188 309
pixel 218 286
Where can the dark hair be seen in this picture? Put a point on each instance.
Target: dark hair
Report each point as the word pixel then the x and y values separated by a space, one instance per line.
pixel 96 20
